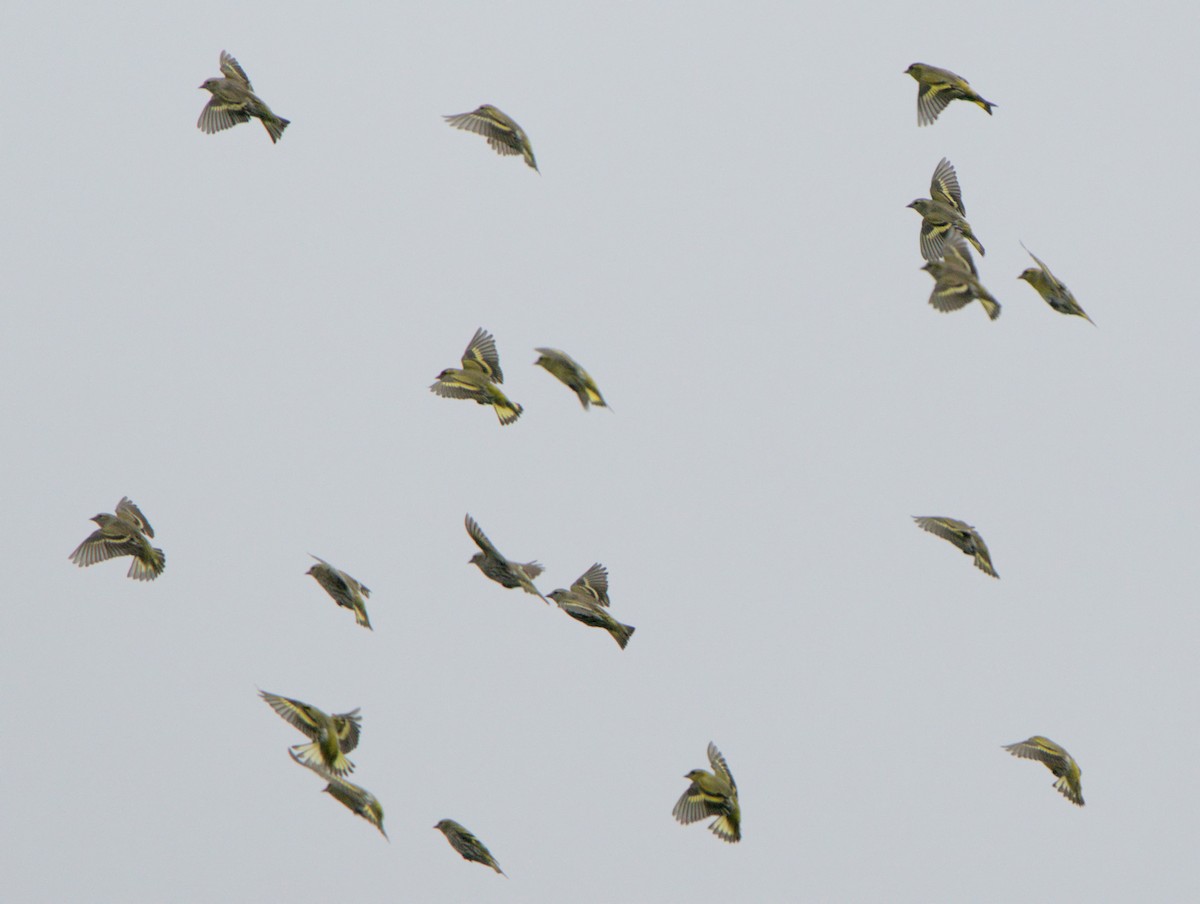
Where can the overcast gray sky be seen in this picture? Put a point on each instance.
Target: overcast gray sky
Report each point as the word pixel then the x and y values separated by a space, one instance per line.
pixel 240 336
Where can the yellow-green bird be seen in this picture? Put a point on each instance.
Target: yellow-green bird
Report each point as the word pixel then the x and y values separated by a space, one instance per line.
pixel 126 533
pixel 937 87
pixel 478 378
pixel 467 845
pixel 1057 760
pixel 499 569
pixel 345 590
pixel 358 799
pixel 568 371
pixel 956 281
pixel 333 735
pixel 942 211
pixel 712 794
pixel 586 601
pixel 962 535
pixel 1052 289
pixel 501 131
pixel 233 101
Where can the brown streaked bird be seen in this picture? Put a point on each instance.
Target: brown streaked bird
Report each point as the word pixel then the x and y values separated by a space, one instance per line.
pixel 962 535
pixel 1052 289
pixel 499 569
pixel 585 603
pixel 333 735
pixel 501 132
pixel 233 102
pixel 567 370
pixel 712 794
pixel 956 281
pixel 1057 760
pixel 467 845
pixel 124 534
pixel 345 590
pixel 358 799
pixel 937 87
pixel 942 211
pixel 478 378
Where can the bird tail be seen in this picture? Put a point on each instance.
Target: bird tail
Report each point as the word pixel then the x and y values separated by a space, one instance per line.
pixel 275 127
pixel 985 105
pixel 148 566
pixel 310 755
pixel 360 616
pixel 726 829
pixel 991 306
pixel 506 411
pixel 622 633
pixel 1063 787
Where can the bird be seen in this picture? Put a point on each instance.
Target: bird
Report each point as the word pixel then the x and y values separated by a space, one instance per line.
pixel 501 132
pixel 470 847
pixel 956 281
pixel 333 735
pixel 567 370
pixel 942 211
pixel 1052 289
pixel 586 601
pixel 962 535
pixel 233 101
pixel 1057 760
pixel 937 87
pixel 712 794
pixel 358 799
pixel 499 569
pixel 478 378
pixel 126 533
pixel 345 590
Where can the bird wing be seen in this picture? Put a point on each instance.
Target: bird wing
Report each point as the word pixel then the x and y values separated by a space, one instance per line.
pixel 100 547
pixel 481 355
pixel 231 68
pixel 482 541
pixel 957 532
pixel 720 767
pixel 295 713
pixel 128 512
pixel 944 187
pixel 593 584
pixel 348 726
pixel 931 101
pixel 219 115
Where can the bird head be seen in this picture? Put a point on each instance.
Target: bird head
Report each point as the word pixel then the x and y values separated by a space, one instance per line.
pixel 209 84
pixel 477 559
pixel 1029 274
pixel 695 775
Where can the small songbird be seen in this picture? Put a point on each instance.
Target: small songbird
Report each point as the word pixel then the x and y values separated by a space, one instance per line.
pixel 359 800
pixel 962 535
pixel 470 847
pixel 942 211
pixel 124 534
pixel 586 601
pixel 567 370
pixel 1057 760
pixel 345 590
pixel 234 101
pixel 501 132
pixel 498 568
pixel 937 87
pixel 478 378
pixel 956 281
pixel 712 794
pixel 333 736
pixel 1052 289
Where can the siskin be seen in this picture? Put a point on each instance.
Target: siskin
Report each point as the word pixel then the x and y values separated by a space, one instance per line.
pixel 470 847
pixel 1051 288
pixel 124 534
pixel 712 794
pixel 956 281
pixel 1057 760
pixel 501 132
pixel 937 87
pixel 568 371
pixel 499 569
pixel 478 378
pixel 962 535
pixel 333 736
pixel 586 601
pixel 942 211
pixel 357 799
pixel 345 590
pixel 234 101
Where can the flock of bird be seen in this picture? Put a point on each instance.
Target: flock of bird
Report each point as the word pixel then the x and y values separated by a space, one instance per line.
pixel 944 237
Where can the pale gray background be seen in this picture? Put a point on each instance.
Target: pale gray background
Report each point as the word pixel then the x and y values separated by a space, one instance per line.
pixel 240 337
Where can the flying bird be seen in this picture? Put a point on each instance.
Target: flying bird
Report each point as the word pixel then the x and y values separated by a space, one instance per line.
pixel 333 735
pixel 956 281
pixel 962 535
pixel 937 87
pixel 126 533
pixel 942 211
pixel 470 847
pixel 478 378
pixel 233 101
pixel 712 794
pixel 1052 289
pixel 501 132
pixel 359 800
pixel 586 602
pixel 345 590
pixel 1057 760
pixel 567 370
pixel 499 569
